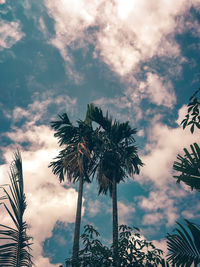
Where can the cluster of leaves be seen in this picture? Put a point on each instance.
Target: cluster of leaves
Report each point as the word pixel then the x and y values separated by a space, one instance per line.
pixel 189 167
pixel 192 117
pixel 133 250
pixel 184 246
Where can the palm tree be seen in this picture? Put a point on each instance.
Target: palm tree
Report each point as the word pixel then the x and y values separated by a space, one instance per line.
pixel 184 246
pixel 118 159
pixel 16 251
pixel 189 167
pixel 75 160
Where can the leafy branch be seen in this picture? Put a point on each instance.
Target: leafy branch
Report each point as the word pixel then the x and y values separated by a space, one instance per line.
pixel 192 118
pixel 16 251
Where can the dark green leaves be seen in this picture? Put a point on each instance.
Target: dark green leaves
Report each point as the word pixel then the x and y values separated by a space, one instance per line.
pixel 184 246
pixel 16 250
pixel 96 115
pixel 133 249
pixel 75 158
pixel 188 167
pixel 116 150
pixel 192 117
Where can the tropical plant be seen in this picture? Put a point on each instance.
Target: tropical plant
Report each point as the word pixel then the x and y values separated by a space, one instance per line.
pixel 118 159
pixel 75 160
pixel 184 246
pixel 16 251
pixel 192 117
pixel 189 167
pixel 133 250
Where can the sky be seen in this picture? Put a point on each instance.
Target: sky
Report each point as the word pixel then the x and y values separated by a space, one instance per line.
pixel 138 59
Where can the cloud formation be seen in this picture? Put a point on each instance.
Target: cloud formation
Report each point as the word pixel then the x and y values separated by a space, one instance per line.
pixel 125 212
pixel 164 143
pixel 125 33
pixel 10 33
pixel 158 91
pixel 127 36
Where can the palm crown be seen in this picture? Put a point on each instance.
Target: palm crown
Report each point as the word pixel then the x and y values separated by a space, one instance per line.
pixel 117 152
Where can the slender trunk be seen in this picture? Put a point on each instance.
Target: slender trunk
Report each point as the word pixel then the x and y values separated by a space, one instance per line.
pixel 115 224
pixel 18 247
pixel 77 225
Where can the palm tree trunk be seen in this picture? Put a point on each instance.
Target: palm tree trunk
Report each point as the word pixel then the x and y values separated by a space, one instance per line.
pixel 77 224
pixel 115 224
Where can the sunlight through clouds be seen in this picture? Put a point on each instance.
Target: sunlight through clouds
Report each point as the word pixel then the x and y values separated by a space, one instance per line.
pixel 124 38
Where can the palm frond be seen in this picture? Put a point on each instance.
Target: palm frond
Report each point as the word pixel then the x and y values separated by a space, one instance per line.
pixel 96 115
pixel 189 167
pixel 184 246
pixel 75 159
pixel 16 250
pixel 65 131
pixel 118 156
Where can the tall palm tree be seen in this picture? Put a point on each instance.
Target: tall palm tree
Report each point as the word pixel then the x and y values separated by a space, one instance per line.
pixel 118 159
pixel 188 167
pixel 184 245
pixel 16 251
pixel 75 160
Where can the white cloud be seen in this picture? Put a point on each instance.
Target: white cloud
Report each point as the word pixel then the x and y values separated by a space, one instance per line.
pixel 10 33
pixel 38 111
pixel 135 31
pixel 159 92
pixel 164 143
pixel 93 208
pixel 162 244
pixel 125 33
pixel 152 218
pixel 161 204
pixel 125 212
pixel 140 132
pixel 187 214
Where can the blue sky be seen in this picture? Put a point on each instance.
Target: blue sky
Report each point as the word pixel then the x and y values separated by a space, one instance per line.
pixel 137 59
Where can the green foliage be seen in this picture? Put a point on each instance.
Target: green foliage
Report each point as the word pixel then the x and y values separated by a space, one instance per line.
pixel 184 246
pixel 16 251
pixel 75 158
pixel 189 167
pixel 192 117
pixel 116 149
pixel 133 250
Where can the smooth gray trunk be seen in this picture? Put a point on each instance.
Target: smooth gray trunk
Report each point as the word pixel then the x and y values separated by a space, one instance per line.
pixel 115 224
pixel 77 225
